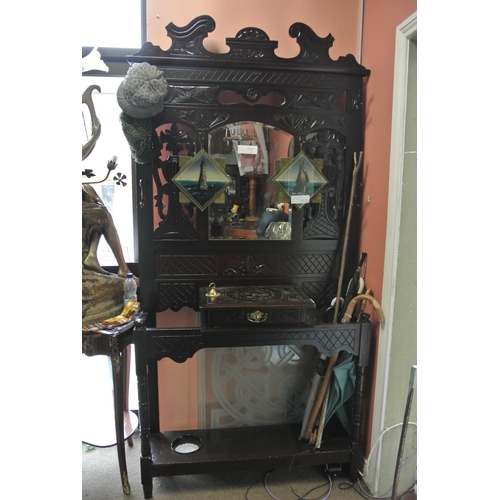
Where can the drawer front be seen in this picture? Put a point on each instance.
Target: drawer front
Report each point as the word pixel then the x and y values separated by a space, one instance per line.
pixel 255 316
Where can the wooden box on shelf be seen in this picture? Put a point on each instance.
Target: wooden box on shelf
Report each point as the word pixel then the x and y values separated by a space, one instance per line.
pixel 254 305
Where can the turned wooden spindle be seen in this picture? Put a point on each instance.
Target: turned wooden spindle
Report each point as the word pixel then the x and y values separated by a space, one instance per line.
pixel 252 201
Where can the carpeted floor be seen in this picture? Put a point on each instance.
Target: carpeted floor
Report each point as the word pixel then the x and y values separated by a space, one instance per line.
pixel 101 481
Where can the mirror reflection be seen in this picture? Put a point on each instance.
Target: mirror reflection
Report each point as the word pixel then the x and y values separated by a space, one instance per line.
pixel 250 208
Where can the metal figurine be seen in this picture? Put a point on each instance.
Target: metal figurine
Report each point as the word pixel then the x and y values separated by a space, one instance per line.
pixel 98 222
pixel 96 218
pixel 96 124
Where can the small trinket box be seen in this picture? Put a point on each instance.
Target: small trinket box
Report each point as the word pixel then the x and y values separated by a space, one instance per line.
pixel 254 305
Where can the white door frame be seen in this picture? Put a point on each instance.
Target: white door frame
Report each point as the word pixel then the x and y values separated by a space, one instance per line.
pixel 404 33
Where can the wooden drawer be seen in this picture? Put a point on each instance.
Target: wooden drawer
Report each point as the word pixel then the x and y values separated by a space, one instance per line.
pixel 255 305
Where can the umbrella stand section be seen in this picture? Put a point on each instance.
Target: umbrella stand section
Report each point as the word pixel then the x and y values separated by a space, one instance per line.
pixel 311 422
pixel 339 386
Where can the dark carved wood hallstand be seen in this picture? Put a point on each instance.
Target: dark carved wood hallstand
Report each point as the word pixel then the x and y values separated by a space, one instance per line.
pixel 320 105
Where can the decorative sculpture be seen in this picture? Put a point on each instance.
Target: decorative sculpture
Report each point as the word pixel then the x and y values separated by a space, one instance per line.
pixel 96 217
pixel 102 292
pixel 141 96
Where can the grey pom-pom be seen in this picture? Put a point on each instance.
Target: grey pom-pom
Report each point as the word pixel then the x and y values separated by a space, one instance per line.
pixel 143 90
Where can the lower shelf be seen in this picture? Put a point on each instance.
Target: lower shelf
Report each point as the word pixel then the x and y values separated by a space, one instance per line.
pixel 266 447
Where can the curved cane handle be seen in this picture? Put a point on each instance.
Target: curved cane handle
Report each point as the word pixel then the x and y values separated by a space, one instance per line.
pixel 369 298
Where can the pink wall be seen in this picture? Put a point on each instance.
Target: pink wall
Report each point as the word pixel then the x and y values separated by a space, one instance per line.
pixel 338 17
pixel 178 382
pixel 380 19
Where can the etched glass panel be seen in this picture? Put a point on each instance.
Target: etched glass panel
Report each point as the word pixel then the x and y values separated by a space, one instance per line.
pixel 251 386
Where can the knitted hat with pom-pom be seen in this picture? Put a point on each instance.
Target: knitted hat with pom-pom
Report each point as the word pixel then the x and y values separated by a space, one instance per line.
pixel 141 95
pixel 142 91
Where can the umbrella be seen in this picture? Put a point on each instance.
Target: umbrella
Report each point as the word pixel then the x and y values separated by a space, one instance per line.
pixel 341 390
pixel 355 286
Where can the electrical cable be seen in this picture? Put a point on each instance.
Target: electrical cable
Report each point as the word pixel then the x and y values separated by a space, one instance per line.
pixel 347 486
pixel 300 497
pixel 368 496
pixel 252 485
pixel 387 495
pixel 406 462
pixel 312 489
pixel 303 497
pixel 411 488
pixel 342 486
pixel 377 442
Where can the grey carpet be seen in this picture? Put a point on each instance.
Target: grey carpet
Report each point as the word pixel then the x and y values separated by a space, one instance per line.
pixel 101 481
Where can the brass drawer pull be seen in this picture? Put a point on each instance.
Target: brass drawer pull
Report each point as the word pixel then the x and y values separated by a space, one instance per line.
pixel 256 316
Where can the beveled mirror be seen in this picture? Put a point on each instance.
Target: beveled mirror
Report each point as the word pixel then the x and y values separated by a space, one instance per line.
pixel 250 150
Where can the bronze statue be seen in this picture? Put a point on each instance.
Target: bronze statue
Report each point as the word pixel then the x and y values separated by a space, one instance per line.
pixel 96 217
pixel 141 96
pixel 100 223
pixel 96 124
pixel 102 292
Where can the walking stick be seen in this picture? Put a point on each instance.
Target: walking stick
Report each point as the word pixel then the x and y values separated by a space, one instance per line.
pixel 363 297
pixel 333 359
pixel 363 305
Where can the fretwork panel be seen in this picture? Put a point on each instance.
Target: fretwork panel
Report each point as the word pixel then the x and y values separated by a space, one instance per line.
pixel 306 264
pixel 178 265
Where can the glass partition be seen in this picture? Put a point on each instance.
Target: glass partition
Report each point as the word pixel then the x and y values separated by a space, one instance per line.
pixel 250 207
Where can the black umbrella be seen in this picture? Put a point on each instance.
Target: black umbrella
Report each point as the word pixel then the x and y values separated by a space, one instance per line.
pixel 355 287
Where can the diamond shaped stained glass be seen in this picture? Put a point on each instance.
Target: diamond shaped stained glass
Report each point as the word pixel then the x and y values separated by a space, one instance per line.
pixel 300 180
pixel 202 179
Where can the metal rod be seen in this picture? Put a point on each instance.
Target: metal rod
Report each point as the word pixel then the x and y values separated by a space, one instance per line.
pixel 409 399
